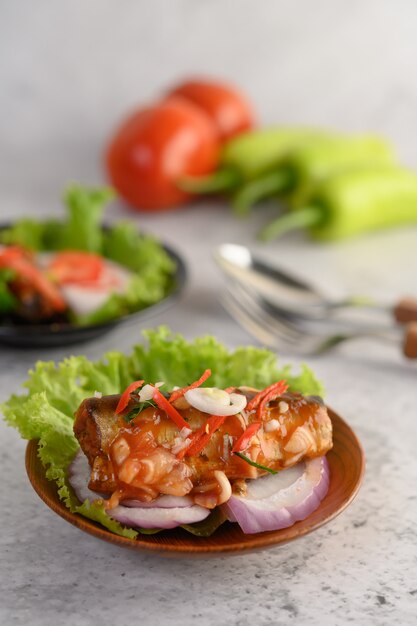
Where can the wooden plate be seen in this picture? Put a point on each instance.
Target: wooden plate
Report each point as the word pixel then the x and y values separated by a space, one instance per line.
pixel 347 465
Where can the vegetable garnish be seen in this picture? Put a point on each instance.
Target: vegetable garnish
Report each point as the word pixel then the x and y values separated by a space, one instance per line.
pixel 278 387
pixel 271 395
pixel 180 392
pixel 136 271
pixel 201 437
pixel 137 410
pixel 258 465
pixel 16 259
pixel 171 411
pixel 244 440
pixel 75 266
pixel 124 400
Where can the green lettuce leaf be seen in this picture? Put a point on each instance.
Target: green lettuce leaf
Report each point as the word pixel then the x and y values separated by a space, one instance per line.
pixel 8 302
pixel 26 232
pixel 152 268
pixel 207 526
pixel 85 208
pixel 54 392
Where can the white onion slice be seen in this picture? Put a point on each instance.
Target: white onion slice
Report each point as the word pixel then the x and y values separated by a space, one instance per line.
pixel 215 401
pixel 143 517
pixel 163 502
pixel 278 501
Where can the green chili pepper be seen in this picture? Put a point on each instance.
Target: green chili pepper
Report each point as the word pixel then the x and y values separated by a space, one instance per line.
pixel 250 155
pixel 352 202
pixel 311 161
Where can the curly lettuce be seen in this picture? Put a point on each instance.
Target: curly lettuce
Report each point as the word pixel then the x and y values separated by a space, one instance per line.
pixel 54 391
pixel 152 268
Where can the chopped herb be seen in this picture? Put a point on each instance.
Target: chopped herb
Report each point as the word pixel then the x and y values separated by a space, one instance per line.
pixel 138 409
pixel 262 467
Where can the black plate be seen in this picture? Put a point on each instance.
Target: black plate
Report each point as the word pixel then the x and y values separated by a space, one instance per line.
pixel 54 335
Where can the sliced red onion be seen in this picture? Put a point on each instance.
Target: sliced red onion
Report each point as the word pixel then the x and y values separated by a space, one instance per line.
pixel 164 512
pixel 272 502
pixel 278 501
pixel 78 477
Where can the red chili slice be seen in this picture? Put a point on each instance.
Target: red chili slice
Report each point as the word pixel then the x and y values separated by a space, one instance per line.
pixel 274 393
pixel 16 258
pixel 171 411
pixel 125 397
pixel 180 392
pixel 244 440
pixel 279 387
pixel 202 436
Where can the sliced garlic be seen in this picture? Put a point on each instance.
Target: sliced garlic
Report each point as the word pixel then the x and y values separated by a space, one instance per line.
pixel 146 393
pixel 180 444
pixel 272 425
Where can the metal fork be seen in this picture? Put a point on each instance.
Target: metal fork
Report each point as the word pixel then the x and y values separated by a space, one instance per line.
pixel 254 314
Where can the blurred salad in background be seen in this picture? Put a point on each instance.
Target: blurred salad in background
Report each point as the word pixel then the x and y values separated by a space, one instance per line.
pixel 77 272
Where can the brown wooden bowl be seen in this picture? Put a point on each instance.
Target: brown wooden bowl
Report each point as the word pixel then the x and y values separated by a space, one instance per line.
pixel 347 466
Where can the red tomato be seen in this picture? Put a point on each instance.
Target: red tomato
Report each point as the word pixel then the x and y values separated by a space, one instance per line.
pixel 75 266
pixel 229 110
pixel 156 147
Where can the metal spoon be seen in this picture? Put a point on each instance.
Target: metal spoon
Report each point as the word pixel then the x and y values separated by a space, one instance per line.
pixel 292 294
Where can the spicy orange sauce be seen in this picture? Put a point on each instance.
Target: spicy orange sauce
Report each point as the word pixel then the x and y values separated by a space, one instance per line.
pixel 144 461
